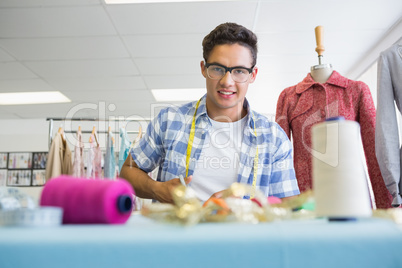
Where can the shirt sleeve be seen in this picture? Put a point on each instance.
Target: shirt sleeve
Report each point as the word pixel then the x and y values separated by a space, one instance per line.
pixel 148 153
pixel 386 133
pixel 283 181
pixel 366 119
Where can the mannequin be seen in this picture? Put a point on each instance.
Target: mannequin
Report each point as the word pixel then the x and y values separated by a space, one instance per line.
pixel 320 73
pixel 322 94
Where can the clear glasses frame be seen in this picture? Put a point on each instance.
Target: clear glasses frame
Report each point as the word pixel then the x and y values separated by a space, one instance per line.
pixel 216 71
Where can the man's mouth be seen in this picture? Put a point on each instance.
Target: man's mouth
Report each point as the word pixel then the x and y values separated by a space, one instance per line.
pixel 227 92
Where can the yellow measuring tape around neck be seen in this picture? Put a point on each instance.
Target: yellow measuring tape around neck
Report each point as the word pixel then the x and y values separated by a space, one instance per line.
pixel 255 163
pixel 190 146
pixel 191 138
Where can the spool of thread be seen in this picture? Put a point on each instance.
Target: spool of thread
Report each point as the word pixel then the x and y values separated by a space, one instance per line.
pixel 339 179
pixel 89 200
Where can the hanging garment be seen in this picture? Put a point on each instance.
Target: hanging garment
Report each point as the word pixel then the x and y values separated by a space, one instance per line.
pixel 124 147
pixel 98 162
pixel 59 158
pixel 389 90
pixel 301 106
pixel 91 158
pixel 78 164
pixel 110 162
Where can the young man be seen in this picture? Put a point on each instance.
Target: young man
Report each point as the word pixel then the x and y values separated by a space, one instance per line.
pixel 217 140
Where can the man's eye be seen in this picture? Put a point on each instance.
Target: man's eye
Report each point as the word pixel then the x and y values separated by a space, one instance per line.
pixel 217 69
pixel 240 71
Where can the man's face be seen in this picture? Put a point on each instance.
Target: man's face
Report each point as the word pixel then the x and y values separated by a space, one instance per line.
pixel 225 95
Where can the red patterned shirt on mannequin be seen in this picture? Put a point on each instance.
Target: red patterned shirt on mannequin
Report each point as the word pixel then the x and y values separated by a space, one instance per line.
pixel 301 106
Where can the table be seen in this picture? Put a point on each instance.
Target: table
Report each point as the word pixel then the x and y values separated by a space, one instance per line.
pixel 142 242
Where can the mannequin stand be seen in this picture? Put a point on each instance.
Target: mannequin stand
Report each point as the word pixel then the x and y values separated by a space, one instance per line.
pixel 321 72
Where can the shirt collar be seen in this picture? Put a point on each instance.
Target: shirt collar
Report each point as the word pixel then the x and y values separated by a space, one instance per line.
pixel 202 108
pixel 335 79
pixel 250 114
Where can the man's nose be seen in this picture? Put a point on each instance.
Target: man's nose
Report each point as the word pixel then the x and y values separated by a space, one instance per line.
pixel 227 78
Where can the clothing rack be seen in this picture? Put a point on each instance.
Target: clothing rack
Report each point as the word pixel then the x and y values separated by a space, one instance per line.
pixel 59 119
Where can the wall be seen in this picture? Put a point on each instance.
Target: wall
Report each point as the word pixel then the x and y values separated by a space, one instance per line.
pixel 24 136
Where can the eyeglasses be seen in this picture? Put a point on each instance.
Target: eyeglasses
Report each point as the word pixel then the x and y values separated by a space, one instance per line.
pixel 216 71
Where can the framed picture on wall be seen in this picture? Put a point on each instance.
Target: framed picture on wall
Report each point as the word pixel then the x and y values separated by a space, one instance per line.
pixel 3 177
pixel 38 177
pixel 3 160
pixel 19 177
pixel 19 160
pixel 39 160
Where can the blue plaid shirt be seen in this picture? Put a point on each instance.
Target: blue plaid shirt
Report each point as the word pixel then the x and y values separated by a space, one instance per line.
pixel 167 135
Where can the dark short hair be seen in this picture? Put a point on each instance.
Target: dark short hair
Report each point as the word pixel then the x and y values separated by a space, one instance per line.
pixel 230 33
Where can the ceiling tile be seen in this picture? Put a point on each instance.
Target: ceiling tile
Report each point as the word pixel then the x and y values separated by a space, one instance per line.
pixel 168 66
pixel 171 18
pixel 97 83
pixel 88 68
pixel 54 22
pixel 42 3
pixel 14 70
pixel 4 56
pixel 67 48
pixel 175 81
pixel 24 85
pixel 185 45
pixel 306 15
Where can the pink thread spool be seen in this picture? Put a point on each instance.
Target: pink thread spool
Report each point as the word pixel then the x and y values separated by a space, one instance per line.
pixel 88 200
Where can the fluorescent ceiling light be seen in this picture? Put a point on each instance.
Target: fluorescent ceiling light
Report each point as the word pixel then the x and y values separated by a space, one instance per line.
pixel 178 94
pixel 32 98
pixel 158 1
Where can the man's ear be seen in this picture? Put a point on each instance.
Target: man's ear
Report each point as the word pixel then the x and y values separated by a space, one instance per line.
pixel 253 74
pixel 203 71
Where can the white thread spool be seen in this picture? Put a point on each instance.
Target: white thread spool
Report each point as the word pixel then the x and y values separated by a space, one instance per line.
pixel 340 187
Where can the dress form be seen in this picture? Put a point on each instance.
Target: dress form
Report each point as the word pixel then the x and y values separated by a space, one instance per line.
pixel 321 72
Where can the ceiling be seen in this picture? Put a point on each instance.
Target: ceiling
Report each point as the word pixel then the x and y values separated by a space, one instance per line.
pixel 107 58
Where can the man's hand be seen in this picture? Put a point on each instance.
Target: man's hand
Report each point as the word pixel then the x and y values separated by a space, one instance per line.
pixel 163 190
pixel 215 195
